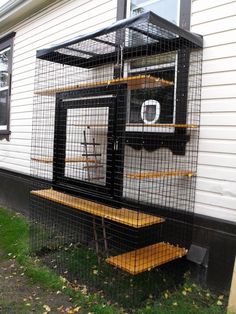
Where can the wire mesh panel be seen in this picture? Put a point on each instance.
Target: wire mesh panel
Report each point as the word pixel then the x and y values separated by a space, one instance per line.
pixel 115 140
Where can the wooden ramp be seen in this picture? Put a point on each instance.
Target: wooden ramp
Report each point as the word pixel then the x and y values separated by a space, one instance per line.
pixel 121 215
pixel 146 258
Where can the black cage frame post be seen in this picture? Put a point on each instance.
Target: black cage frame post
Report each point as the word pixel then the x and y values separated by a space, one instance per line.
pixel 115 139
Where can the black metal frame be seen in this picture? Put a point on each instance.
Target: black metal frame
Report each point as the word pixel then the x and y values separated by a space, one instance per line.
pixel 51 54
pixel 114 169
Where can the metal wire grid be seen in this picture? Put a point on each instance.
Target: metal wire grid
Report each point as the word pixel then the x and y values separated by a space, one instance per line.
pixel 125 163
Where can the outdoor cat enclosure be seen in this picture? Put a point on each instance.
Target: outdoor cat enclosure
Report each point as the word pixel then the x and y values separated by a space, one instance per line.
pixel 115 135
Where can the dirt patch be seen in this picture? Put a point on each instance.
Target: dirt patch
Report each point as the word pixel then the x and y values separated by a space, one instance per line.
pixel 18 295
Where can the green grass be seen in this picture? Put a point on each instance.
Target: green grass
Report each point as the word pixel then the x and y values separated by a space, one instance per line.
pixel 189 298
pixel 116 285
pixel 18 307
pixel 185 298
pixel 14 240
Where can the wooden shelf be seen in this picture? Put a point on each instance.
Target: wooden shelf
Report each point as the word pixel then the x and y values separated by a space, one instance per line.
pixel 163 125
pixel 133 82
pixel 49 160
pixel 123 215
pixel 142 125
pixel 88 126
pixel 160 174
pixel 146 258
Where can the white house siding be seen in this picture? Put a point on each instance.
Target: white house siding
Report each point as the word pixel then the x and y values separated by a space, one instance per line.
pixel 64 20
pixel 216 184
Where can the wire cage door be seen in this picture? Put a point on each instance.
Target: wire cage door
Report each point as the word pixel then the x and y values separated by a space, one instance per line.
pixel 87 145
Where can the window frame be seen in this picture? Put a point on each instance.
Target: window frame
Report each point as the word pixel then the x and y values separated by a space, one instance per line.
pixel 5 42
pixel 183 21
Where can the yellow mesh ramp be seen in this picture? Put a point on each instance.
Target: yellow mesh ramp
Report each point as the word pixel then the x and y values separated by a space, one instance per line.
pixel 160 174
pixel 121 215
pixel 146 258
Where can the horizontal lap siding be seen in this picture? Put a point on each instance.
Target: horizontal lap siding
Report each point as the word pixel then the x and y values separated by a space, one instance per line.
pixel 216 184
pixel 62 21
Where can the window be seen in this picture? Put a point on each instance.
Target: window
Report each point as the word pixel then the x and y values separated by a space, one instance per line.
pixel 175 11
pixel 164 66
pixel 168 9
pixel 157 104
pixel 6 44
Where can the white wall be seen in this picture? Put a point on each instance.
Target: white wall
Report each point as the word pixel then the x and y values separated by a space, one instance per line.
pixel 216 184
pixel 62 21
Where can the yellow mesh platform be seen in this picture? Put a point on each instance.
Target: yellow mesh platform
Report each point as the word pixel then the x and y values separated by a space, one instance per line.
pixel 123 215
pixel 146 258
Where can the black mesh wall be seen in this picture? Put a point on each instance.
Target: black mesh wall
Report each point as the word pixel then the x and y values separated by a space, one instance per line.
pixel 115 137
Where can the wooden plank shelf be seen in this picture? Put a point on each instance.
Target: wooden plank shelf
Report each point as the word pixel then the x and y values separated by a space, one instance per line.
pixel 146 258
pixel 160 174
pixel 133 82
pixel 142 125
pixel 88 126
pixel 49 160
pixel 163 125
pixel 121 215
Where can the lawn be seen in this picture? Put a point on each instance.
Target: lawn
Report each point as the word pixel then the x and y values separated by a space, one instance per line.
pixel 94 291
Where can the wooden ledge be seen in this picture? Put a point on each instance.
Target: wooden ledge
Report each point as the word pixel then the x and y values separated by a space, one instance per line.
pixel 163 125
pixel 146 258
pixel 133 82
pixel 49 160
pixel 160 174
pixel 144 126
pixel 123 215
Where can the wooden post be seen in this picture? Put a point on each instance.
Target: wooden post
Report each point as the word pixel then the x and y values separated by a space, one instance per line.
pixel 86 154
pixel 96 239
pixel 104 236
pixel 232 296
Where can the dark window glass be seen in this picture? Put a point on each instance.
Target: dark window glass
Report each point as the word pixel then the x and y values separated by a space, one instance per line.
pixel 4 67
pixel 164 95
pixel 4 86
pixel 3 108
pixel 6 44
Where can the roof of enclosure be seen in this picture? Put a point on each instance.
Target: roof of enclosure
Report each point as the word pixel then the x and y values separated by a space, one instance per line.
pixel 154 30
